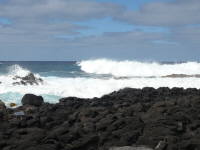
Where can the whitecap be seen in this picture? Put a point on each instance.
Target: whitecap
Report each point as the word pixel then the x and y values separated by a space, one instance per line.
pixel 55 87
pixel 17 70
pixel 138 69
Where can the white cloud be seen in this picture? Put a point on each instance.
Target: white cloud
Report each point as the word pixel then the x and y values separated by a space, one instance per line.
pixel 175 13
pixel 67 9
pixel 32 28
pixel 188 35
pixel 32 19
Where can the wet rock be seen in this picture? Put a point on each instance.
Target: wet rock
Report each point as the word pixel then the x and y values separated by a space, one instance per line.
pixel 31 99
pixel 30 79
pixel 16 83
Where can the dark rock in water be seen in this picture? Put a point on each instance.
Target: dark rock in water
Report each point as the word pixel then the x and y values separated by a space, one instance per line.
pixel 23 82
pixel 181 76
pixel 16 83
pixel 30 99
pixel 30 79
pixel 16 77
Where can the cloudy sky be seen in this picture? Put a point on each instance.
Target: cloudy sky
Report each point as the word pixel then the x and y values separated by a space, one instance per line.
pixel 163 30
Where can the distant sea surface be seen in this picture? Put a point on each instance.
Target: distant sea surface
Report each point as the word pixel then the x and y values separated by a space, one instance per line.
pixel 93 78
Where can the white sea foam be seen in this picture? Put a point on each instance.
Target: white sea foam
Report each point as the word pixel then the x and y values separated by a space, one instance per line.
pixel 17 70
pixel 88 87
pixel 54 88
pixel 135 68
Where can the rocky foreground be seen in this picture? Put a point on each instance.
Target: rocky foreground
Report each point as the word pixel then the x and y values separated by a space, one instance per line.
pixel 162 119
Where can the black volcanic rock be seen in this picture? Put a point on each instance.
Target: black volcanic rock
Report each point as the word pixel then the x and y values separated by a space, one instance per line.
pixel 130 148
pixel 163 119
pixel 31 99
pixel 29 79
pixel 2 110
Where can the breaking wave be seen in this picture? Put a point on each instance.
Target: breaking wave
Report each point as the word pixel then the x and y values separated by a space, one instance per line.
pixel 55 87
pixel 17 70
pixel 138 69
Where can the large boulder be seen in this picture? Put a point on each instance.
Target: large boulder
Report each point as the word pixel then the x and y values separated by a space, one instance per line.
pixel 31 99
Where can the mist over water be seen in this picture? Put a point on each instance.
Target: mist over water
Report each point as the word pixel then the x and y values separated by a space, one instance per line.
pixel 92 78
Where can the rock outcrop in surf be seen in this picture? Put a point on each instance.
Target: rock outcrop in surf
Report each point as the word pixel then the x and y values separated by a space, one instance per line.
pixel 29 79
pixel 162 119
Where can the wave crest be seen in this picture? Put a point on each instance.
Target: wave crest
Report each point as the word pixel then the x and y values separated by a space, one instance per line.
pixel 17 70
pixel 138 69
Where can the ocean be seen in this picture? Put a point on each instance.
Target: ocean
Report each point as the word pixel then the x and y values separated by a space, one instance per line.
pixel 93 78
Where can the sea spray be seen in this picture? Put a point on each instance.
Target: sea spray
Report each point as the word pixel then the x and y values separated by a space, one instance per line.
pixel 17 70
pixel 86 79
pixel 138 69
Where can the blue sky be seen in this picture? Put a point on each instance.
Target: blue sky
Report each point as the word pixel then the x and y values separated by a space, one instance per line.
pixel 163 30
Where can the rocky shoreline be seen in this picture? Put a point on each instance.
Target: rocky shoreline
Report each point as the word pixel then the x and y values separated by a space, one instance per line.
pixel 129 119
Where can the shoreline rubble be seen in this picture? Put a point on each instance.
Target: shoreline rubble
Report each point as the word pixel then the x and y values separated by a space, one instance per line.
pixel 128 119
